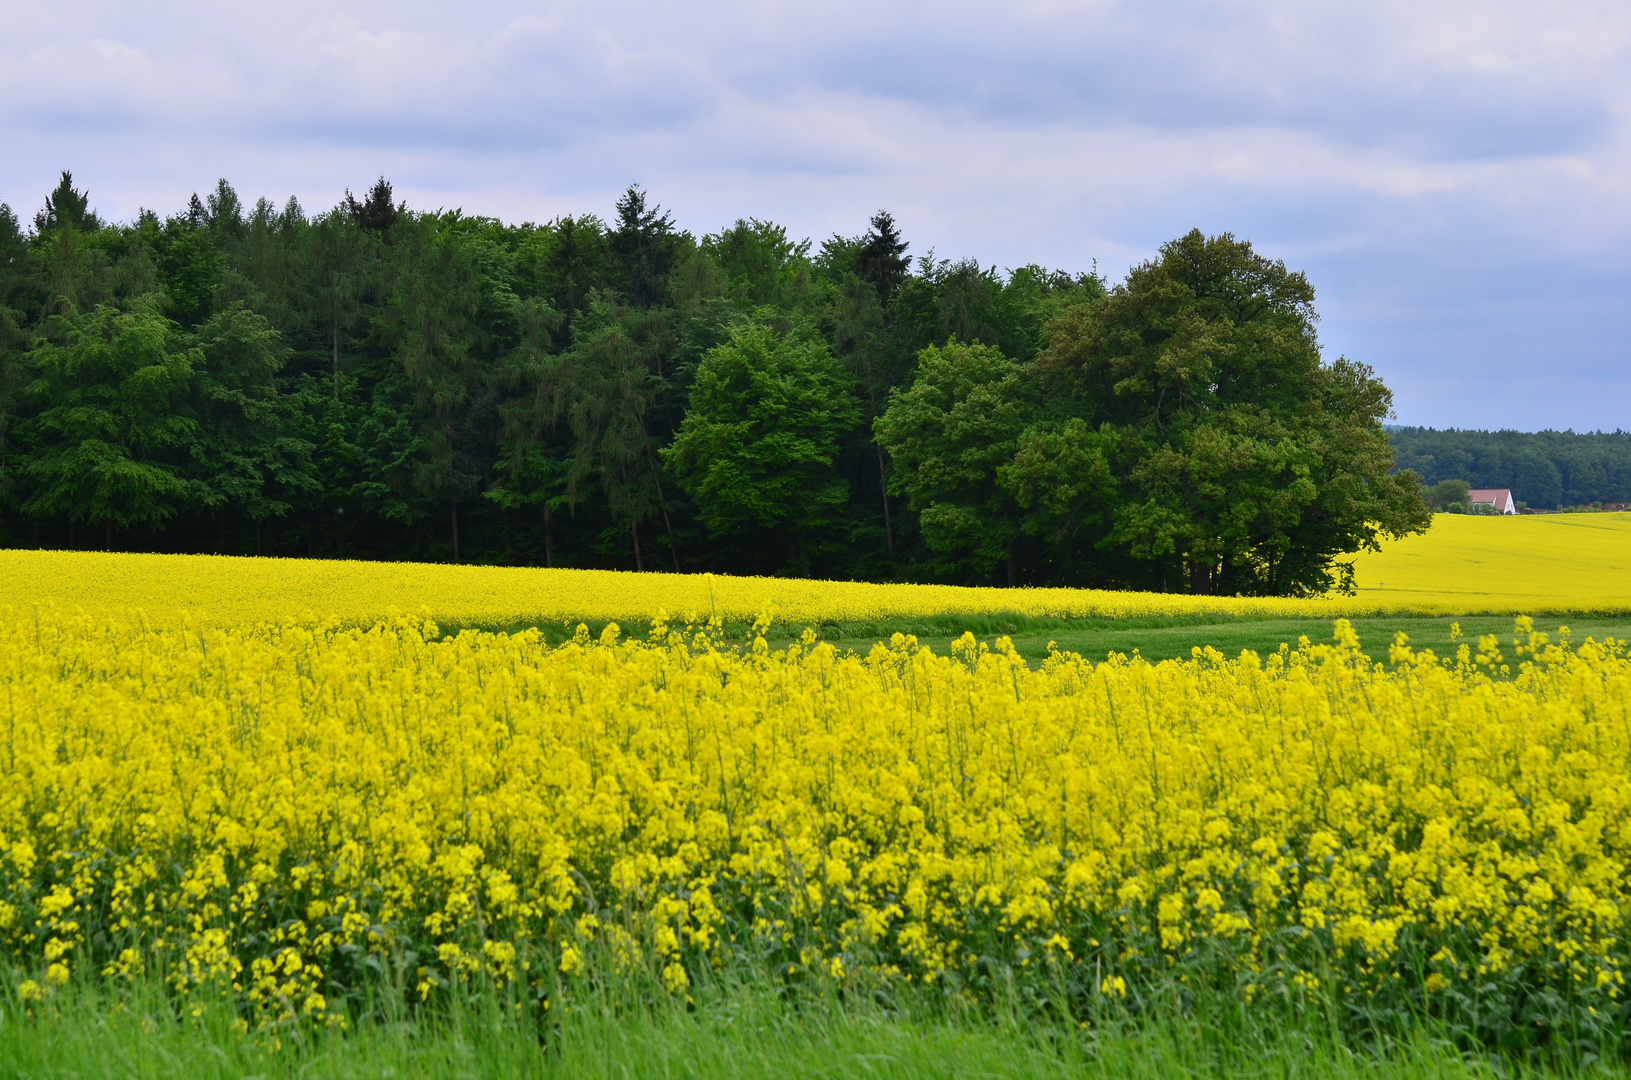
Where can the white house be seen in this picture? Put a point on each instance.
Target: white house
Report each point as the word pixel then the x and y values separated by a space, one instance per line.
pixel 1500 498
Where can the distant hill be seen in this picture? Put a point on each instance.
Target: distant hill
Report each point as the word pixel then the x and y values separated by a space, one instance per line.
pixel 1546 469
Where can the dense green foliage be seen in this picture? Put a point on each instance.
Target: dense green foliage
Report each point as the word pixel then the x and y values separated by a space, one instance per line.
pixel 1181 431
pixel 1546 469
pixel 375 382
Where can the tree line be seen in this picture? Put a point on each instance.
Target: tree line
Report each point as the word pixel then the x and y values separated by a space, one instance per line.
pixel 1546 470
pixel 375 382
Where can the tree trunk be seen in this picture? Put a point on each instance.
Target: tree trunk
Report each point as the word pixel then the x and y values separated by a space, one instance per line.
pixel 71 543
pixel 672 550
pixel 549 549
pixel 639 563
pixel 883 488
pixel 107 534
pixel 657 478
pixel 334 342
pixel 221 531
pixel 454 504
pixel 1200 576
pixel 796 557
pixel 1013 570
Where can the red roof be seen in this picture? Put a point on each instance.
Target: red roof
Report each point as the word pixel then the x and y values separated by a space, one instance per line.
pixel 1500 497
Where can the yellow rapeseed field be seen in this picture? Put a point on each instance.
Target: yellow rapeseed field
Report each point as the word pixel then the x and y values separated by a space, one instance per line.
pixel 311 815
pixel 260 776
pixel 1464 565
pixel 1552 563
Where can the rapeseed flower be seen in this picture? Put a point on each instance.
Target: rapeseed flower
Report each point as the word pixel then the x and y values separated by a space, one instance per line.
pixel 300 812
pixel 1462 566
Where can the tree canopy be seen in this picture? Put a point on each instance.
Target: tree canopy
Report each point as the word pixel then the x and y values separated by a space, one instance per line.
pixel 372 381
pixel 1241 459
pixel 759 445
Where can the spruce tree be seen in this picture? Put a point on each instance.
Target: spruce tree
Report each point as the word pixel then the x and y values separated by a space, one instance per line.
pixel 67 206
pixel 377 213
pixel 881 260
pixel 644 248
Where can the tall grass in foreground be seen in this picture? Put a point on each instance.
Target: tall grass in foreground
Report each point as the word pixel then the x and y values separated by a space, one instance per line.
pixel 742 1032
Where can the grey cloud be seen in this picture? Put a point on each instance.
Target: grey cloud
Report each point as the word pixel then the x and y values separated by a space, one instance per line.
pixel 1453 175
pixel 536 78
pixel 534 82
pixel 81 82
pixel 1369 77
pixel 1363 81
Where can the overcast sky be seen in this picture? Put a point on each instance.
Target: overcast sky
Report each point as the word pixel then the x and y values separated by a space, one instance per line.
pixel 1452 176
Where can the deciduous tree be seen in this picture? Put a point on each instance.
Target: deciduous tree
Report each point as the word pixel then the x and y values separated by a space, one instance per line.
pixel 1244 463
pixel 949 434
pixel 761 433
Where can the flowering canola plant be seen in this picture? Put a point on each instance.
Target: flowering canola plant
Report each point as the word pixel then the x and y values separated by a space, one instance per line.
pixel 1466 564
pixel 307 814
pixel 1574 564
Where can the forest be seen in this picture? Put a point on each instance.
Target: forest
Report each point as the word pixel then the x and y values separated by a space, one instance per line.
pixel 374 382
pixel 1546 470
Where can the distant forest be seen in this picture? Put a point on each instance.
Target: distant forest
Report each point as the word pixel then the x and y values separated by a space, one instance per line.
pixel 374 382
pixel 1545 470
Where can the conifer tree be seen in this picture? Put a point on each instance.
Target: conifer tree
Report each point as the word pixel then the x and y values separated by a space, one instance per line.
pixel 113 415
pixel 67 207
pixel 644 248
pixel 881 260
